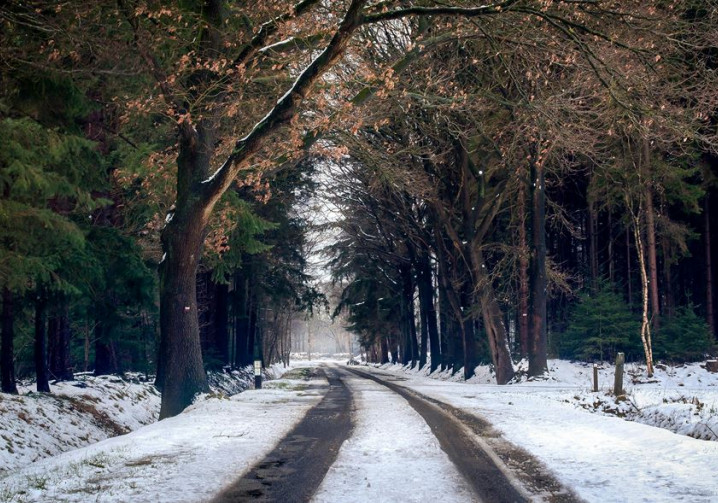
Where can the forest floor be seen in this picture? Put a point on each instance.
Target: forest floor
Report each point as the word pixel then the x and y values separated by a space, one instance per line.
pixel 582 437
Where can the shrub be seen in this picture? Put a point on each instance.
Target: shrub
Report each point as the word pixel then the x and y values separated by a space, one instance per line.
pixel 601 325
pixel 682 338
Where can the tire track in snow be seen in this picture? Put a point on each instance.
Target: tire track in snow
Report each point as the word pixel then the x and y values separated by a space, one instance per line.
pixel 391 456
pixel 297 465
pixel 497 470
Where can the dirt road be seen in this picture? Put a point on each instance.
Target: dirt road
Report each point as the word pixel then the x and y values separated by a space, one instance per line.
pixel 494 470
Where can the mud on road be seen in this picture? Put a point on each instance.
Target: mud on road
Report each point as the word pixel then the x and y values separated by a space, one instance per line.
pixel 293 471
pixel 496 470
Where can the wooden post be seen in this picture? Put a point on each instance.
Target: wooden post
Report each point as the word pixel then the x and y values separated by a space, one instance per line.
pixel 712 365
pixel 618 383
pixel 595 378
pixel 257 374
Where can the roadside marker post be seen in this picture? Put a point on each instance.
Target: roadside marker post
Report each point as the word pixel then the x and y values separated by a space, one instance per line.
pixel 257 374
pixel 595 378
pixel 618 382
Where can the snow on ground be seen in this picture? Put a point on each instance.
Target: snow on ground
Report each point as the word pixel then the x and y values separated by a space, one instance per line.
pixel 91 408
pixel 579 435
pixel 388 433
pixel 600 455
pixel 187 458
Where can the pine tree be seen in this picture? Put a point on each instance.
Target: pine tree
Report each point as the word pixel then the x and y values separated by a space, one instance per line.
pixel 600 326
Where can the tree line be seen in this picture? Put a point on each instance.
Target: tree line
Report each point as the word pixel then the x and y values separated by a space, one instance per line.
pixel 500 204
pixel 154 153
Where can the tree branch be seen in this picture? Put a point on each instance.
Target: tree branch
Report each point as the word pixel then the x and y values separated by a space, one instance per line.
pixel 149 58
pixel 286 106
pixel 270 27
pixel 439 11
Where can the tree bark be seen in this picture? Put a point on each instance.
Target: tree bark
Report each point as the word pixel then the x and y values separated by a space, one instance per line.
pixel 710 313
pixel 58 336
pixel 645 325
pixel 408 327
pixel 40 346
pixel 7 360
pixel 611 273
pixel 650 237
pixel 105 355
pixel 629 275
pixel 668 291
pixel 538 364
pixel 180 374
pixel 222 322
pixel 242 307
pixel 428 310
pixel 384 351
pixel 493 320
pixel 524 254
pixel 593 242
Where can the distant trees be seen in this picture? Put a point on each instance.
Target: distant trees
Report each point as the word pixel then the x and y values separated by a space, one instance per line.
pixel 530 165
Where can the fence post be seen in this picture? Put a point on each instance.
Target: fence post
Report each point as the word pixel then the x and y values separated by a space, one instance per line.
pixel 595 378
pixel 618 383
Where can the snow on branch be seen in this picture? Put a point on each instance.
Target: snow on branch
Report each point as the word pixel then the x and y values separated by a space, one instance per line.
pixel 438 11
pixel 287 105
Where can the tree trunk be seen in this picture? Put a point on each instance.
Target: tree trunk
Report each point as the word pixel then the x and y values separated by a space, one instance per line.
pixel 645 325
pixel 443 330
pixel 450 312
pixel 428 310
pixel 423 324
pixel 611 273
pixel 710 313
pixel 651 237
pixel 43 385
pixel 243 348
pixel 408 327
pixel 592 228
pixel 254 338
pixel 58 337
pixel 105 355
pixel 212 309
pixel 7 358
pixel 468 338
pixel 493 320
pixel 180 374
pixel 538 364
pixel 384 351
pixel 669 296
pixel 524 254
pixel 629 275
pixel 222 322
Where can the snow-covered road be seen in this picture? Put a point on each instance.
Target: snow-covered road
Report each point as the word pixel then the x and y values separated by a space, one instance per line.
pixel 392 455
pixel 602 458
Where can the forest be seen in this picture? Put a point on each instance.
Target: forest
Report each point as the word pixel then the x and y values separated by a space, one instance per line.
pixel 483 182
